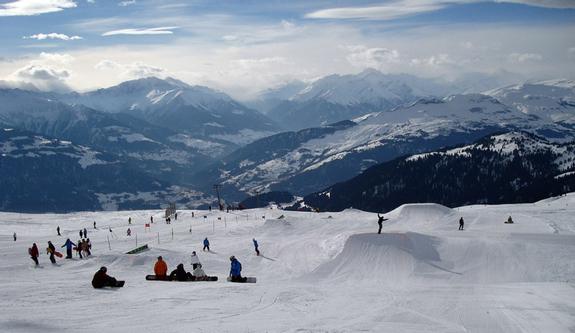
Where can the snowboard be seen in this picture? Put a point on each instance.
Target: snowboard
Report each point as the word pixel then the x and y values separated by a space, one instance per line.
pixel 119 284
pixel 58 254
pixel 246 280
pixel 167 278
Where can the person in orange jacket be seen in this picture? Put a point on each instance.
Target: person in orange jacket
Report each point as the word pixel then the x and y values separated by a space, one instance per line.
pixel 161 268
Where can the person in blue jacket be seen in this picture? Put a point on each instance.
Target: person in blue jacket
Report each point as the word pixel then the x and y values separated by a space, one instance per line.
pixel 206 244
pixel 256 246
pixel 236 270
pixel 68 246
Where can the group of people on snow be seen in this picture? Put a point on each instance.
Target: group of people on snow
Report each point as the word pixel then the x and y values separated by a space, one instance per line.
pixel 381 220
pixel 180 273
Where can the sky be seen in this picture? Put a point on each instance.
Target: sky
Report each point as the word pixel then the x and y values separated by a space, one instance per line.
pixel 243 47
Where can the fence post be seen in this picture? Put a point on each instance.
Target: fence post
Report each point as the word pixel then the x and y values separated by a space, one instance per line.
pixel 172 233
pixel 136 240
pixel 109 246
pixel 213 226
pixel 158 237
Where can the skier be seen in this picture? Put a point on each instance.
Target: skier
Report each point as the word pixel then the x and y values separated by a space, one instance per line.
pixel 85 233
pixel 68 246
pixel 129 232
pixel 256 246
pixel 176 216
pixel 58 230
pixel 79 248
pixel 151 219
pixel 34 253
pixel 130 220
pixel 51 250
pixel 195 260
pixel 94 224
pixel 380 222
pixel 101 279
pixel 206 244
pixel 14 236
pixel 160 268
pixel 198 272
pixel 180 274
pixel 461 223
pixel 236 270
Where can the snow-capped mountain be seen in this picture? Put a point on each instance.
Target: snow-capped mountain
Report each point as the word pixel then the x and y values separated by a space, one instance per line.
pixel 270 98
pixel 154 149
pixel 552 100
pixel 196 111
pixel 302 161
pixel 512 167
pixel 339 97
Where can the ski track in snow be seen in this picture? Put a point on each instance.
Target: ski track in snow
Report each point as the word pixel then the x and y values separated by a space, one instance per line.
pixel 316 274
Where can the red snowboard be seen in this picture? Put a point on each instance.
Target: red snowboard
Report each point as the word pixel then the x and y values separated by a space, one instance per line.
pixel 58 254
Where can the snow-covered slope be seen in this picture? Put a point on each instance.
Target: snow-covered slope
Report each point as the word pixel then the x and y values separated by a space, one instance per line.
pixel 327 272
pixel 552 100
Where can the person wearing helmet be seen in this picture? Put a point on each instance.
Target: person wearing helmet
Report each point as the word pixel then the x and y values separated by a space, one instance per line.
pixel 101 279
pixel 236 270
pixel 199 272
pixel 161 268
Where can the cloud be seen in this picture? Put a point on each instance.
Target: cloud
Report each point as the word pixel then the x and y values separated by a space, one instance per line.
pixel 135 70
pixel 433 61
pixel 34 7
pixel 42 77
pixel 52 35
pixel 524 57
pixel 54 58
pixel 404 8
pixel 145 31
pixel 127 3
pixel 376 57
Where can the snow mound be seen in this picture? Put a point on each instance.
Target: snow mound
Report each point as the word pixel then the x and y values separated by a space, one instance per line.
pixel 424 213
pixel 389 257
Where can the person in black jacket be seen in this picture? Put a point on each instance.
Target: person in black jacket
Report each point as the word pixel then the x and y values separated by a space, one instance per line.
pixel 461 223
pixel 51 251
pixel 180 274
pixel 101 279
pixel 380 220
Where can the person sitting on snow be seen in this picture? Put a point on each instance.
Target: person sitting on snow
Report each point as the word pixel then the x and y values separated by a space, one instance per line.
pixel 161 268
pixel 509 219
pixel 101 279
pixel 180 274
pixel 236 270
pixel 199 272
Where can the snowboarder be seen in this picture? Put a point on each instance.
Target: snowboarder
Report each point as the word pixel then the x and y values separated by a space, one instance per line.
pixel 80 233
pixel 180 274
pixel 34 253
pixel 236 270
pixel 14 236
pixel 380 222
pixel 94 224
pixel 101 279
pixel 461 223
pixel 509 219
pixel 79 248
pixel 151 219
pixel 51 250
pixel 161 268
pixel 206 244
pixel 195 260
pixel 176 216
pixel 85 233
pixel 256 246
pixel 58 230
pixel 199 272
pixel 129 232
pixel 68 246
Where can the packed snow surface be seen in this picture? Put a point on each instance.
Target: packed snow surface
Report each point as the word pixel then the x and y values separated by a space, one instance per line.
pixel 319 272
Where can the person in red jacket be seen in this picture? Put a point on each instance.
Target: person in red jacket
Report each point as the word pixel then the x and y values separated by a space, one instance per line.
pixel 34 254
pixel 161 268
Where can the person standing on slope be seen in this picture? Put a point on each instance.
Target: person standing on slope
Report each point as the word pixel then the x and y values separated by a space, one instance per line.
pixel 195 261
pixel 256 246
pixel 34 253
pixel 94 224
pixel 68 246
pixel 380 222
pixel 161 268
pixel 58 230
pixel 206 244
pixel 51 250
pixel 236 270
pixel 461 223
pixel 14 236
pixel 85 233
